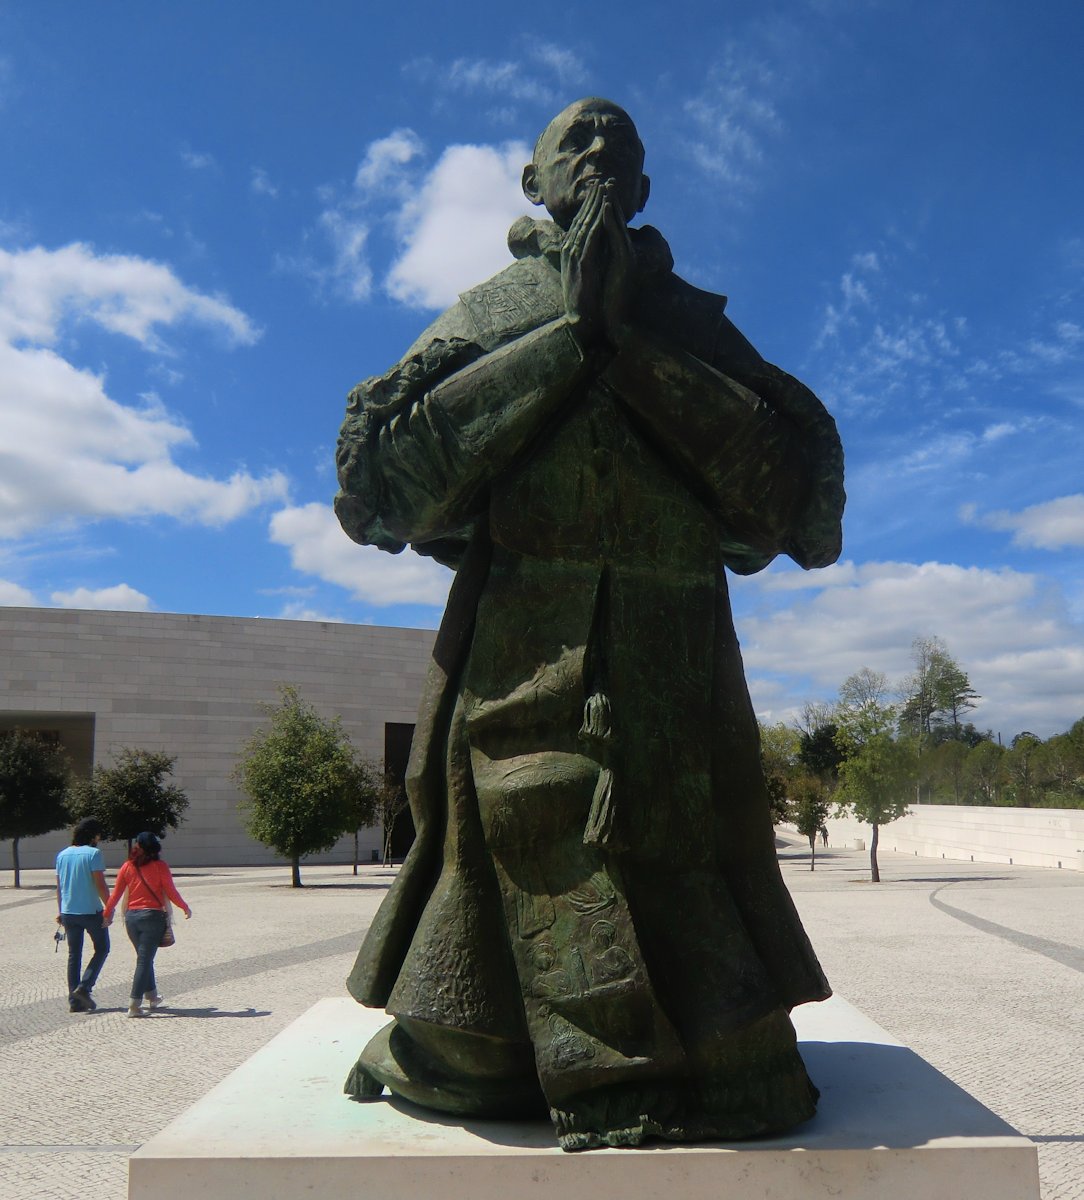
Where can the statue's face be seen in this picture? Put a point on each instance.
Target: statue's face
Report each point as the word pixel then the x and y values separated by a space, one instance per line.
pixel 591 140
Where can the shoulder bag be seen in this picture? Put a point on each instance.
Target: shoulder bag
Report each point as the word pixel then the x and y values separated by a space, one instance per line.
pixel 169 938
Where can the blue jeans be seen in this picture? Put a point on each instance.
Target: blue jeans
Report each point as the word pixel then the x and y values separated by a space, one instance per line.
pixel 145 927
pixel 75 925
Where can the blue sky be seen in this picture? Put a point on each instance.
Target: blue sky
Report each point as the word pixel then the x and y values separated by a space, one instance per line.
pixel 215 219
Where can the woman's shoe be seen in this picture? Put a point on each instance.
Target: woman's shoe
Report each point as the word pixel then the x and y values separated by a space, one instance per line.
pixel 153 999
pixel 134 1009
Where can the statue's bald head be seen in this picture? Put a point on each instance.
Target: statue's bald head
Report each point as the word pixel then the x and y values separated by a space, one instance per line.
pixel 590 139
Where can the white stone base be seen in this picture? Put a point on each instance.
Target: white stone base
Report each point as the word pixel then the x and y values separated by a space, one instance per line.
pixel 889 1127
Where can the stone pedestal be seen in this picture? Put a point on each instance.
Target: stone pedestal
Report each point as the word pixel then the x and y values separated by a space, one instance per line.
pixel 279 1128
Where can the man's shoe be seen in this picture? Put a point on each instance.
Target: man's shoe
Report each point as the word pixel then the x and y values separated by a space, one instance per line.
pixel 84 999
pixel 134 1010
pixel 153 999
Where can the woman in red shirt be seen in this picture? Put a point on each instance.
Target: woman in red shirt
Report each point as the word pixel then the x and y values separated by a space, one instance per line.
pixel 148 883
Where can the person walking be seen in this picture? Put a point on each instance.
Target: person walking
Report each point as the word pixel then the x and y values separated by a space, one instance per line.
pixel 149 884
pixel 81 893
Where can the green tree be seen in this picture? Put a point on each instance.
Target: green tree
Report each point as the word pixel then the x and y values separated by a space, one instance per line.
pixel 984 774
pixel 779 758
pixel 1062 768
pixel 809 809
pixel 878 771
pixel 363 798
pixel 936 693
pixel 33 789
pixel 819 751
pixel 863 709
pixel 945 764
pixel 298 773
pixel 876 785
pixel 132 795
pixel 1021 765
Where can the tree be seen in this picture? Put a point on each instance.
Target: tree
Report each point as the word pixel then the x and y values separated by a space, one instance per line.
pixel 779 759
pixel 984 774
pixel 1020 764
pixel 393 803
pixel 131 796
pixel 809 809
pixel 363 798
pixel 863 709
pixel 875 784
pixel 937 692
pixel 33 789
pixel 298 774
pixel 878 770
pixel 819 751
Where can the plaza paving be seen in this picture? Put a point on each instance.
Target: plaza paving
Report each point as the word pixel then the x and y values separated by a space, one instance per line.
pixel 978 968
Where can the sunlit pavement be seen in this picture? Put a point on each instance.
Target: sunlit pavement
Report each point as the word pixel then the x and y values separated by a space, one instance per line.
pixel 980 969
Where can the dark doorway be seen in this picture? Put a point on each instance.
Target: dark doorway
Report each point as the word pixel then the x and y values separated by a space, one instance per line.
pixel 73 732
pixel 397 739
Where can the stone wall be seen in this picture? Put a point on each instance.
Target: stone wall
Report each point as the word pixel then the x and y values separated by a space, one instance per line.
pixel 1037 837
pixel 193 686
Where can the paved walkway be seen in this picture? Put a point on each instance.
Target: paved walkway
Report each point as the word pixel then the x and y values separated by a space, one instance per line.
pixel 980 969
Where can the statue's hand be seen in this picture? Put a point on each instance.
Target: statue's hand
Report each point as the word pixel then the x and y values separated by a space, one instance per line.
pixel 583 269
pixel 618 285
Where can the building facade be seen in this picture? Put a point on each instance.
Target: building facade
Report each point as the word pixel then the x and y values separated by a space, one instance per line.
pixel 194 686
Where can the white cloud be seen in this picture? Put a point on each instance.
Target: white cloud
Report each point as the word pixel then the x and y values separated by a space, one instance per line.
pixel 68 450
pixel 196 161
pixel 734 116
pixel 1053 525
pixel 261 183
pixel 319 547
pixel 349 269
pixel 454 229
pixel 450 220
pixel 130 296
pixel 119 598
pixel 12 595
pixel 1011 633
pixel 385 159
pixel 543 76
pixel 296 611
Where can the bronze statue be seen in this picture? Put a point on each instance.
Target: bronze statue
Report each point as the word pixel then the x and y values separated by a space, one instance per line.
pixel 592 919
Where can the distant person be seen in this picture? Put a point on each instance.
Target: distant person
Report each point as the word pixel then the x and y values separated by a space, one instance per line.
pixel 824 835
pixel 81 893
pixel 149 884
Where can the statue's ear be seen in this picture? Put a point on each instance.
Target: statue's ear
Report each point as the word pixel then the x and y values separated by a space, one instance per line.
pixel 530 184
pixel 645 191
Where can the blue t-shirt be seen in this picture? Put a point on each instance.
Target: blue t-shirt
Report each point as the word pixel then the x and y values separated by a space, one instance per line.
pixel 78 892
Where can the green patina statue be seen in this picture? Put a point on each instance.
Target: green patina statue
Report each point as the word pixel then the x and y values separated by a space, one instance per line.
pixel 591 919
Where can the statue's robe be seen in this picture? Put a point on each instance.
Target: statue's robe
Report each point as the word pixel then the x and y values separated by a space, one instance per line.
pixel 592 908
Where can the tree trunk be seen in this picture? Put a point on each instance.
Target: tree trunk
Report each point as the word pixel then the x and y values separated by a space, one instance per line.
pixel 812 848
pixel 355 851
pixel 15 859
pixel 295 868
pixel 875 874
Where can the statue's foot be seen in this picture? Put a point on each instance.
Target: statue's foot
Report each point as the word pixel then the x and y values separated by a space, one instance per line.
pixel 393 1060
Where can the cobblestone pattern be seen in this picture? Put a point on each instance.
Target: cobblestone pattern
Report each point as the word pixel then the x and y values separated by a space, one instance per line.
pixel 979 969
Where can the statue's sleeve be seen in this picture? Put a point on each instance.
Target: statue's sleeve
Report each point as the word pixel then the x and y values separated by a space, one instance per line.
pixel 766 462
pixel 421 444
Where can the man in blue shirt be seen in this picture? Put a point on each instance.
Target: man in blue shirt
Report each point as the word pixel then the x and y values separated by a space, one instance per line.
pixel 81 894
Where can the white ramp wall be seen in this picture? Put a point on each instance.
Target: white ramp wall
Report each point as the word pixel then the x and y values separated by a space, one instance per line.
pixel 1036 837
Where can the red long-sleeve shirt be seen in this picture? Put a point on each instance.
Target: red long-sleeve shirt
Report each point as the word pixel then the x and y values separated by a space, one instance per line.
pixel 156 874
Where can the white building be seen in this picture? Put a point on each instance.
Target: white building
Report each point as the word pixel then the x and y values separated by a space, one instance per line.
pixel 193 686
